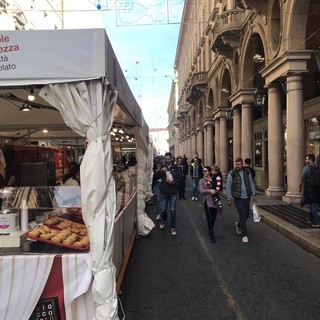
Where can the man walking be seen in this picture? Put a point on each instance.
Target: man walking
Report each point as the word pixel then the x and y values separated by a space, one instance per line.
pixel 182 174
pixel 196 173
pixel 311 192
pixel 168 191
pixel 240 188
pixel 247 165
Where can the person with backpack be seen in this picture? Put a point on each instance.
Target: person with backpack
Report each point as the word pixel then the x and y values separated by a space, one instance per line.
pixel 240 189
pixel 310 179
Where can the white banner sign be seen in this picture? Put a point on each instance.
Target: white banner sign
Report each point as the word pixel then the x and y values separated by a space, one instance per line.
pixel 48 56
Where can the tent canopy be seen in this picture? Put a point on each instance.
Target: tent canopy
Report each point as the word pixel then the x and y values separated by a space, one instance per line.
pixel 31 59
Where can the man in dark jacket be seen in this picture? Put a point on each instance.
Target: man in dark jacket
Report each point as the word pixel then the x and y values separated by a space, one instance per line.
pixel 240 188
pixel 168 191
pixel 311 194
pixel 196 173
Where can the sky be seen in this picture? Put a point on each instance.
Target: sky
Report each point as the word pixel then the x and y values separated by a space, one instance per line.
pixel 144 35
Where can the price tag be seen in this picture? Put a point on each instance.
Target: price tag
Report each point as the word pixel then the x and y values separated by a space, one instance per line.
pixel 46 309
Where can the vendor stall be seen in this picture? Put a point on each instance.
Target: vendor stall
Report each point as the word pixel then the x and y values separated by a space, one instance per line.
pixel 75 72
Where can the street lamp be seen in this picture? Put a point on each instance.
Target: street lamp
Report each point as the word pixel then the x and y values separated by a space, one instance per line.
pixel 259 97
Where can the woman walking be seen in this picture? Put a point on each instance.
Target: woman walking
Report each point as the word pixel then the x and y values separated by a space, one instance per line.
pixel 210 206
pixel 156 183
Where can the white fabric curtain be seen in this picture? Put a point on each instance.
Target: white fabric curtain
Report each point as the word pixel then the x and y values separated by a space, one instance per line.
pixel 145 224
pixel 88 108
pixel 23 279
pixel 77 281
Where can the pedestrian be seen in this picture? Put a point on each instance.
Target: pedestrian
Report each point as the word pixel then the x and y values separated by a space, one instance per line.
pixel 311 192
pixel 196 155
pixel 196 174
pixel 210 206
pixel 182 174
pixel 240 188
pixel 217 184
pixel 168 191
pixel 247 165
pixel 156 183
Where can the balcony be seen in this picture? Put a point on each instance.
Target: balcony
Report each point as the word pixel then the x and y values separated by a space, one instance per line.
pixel 230 21
pixel 183 109
pixel 197 87
pixel 228 26
pixel 199 79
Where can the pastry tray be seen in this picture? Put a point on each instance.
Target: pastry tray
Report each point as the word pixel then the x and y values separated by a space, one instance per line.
pixel 59 244
pixel 63 220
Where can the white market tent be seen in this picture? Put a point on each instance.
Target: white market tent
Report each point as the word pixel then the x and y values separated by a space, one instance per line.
pixel 77 73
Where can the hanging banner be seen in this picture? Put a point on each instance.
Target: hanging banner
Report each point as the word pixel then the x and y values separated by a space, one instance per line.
pixel 46 56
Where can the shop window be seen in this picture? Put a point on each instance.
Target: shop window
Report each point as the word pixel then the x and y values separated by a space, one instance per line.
pixel 313 129
pixel 258 149
pixel 258 154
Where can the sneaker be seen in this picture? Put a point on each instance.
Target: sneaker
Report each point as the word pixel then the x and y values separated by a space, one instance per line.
pixel 238 229
pixel 315 225
pixel 192 198
pixel 162 225
pixel 173 231
pixel 245 239
pixel 195 198
pixel 158 217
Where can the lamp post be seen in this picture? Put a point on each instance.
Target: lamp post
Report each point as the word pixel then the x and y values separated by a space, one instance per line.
pixel 259 97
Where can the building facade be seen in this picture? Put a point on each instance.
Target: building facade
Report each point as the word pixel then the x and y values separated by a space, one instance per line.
pixel 249 86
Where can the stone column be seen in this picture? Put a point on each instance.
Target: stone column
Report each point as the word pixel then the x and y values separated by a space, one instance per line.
pixel 236 133
pixel 209 145
pixel 200 143
pixel 193 143
pixel 246 131
pixel 217 141
pixel 205 150
pixel 223 146
pixel 275 143
pixel 295 136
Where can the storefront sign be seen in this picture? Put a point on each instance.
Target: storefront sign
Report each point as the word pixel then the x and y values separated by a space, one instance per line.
pixel 48 56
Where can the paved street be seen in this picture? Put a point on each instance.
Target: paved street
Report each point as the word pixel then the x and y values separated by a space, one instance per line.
pixel 188 277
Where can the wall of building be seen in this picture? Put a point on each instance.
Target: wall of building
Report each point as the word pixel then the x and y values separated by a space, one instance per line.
pixel 228 50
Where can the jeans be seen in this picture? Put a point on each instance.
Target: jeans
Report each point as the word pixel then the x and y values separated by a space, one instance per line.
pixel 314 213
pixel 172 201
pixel 211 215
pixel 195 187
pixel 156 190
pixel 181 188
pixel 243 206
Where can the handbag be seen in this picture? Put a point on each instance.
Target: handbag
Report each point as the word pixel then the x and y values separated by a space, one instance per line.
pixel 255 213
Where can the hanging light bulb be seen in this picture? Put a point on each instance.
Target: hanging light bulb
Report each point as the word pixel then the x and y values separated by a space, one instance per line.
pixel 31 96
pixel 25 107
